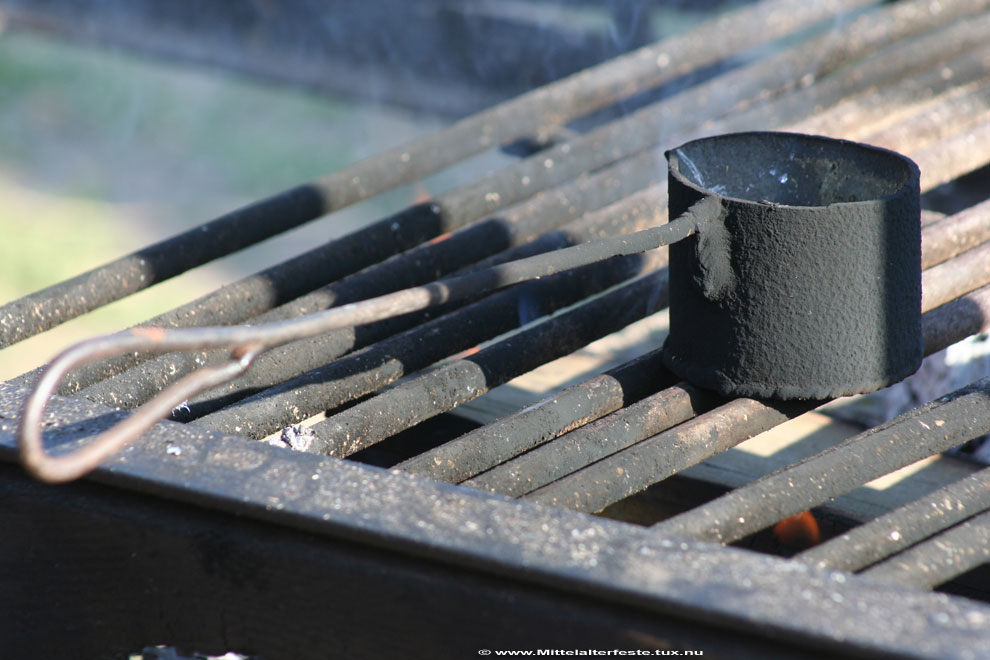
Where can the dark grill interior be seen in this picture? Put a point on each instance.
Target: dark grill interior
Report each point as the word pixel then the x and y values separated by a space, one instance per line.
pixel 201 505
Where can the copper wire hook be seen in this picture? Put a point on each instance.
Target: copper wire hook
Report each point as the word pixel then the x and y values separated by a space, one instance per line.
pixel 247 342
pixel 66 467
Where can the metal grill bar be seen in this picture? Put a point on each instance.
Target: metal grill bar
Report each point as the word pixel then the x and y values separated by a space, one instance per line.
pixel 311 393
pixel 341 257
pixel 945 239
pixel 954 321
pixel 891 533
pixel 658 457
pixel 578 449
pixel 582 447
pixel 955 112
pixel 368 370
pixel 939 559
pixel 962 153
pixel 283 361
pixel 894 100
pixel 924 55
pixel 460 381
pixel 936 427
pixel 535 113
pixel 961 274
pixel 655 458
pixel 275 286
pixel 627 136
pixel 417 266
pixel 54 305
pixel 490 445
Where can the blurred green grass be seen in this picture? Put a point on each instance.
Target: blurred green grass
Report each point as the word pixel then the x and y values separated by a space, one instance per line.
pixel 103 152
pixel 111 103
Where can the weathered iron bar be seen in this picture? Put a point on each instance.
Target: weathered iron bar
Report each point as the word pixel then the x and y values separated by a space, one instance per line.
pixel 930 217
pixel 656 458
pixel 555 459
pixel 773 75
pixel 150 379
pixel 953 113
pixel 677 116
pixel 651 460
pixel 251 296
pixel 939 559
pixel 956 320
pixel 940 162
pixel 66 300
pixel 893 101
pixel 893 532
pixel 708 107
pixel 961 274
pixel 962 153
pixel 954 235
pixel 419 265
pixel 245 342
pixel 917 434
pixel 536 113
pixel 276 285
pixel 844 103
pixel 479 450
pixel 370 369
pixel 818 56
pixel 457 382
pixel 297 398
pixel 582 447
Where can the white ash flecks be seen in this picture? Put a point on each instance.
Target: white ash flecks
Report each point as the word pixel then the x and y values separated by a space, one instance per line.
pixel 296 438
pixel 182 407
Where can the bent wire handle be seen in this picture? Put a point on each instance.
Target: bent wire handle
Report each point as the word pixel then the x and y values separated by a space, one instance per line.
pixel 247 342
pixel 66 467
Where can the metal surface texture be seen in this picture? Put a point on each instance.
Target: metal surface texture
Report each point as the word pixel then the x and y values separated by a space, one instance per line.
pixel 903 527
pixel 937 560
pixel 592 442
pixel 535 113
pixel 245 343
pixel 420 265
pixel 809 284
pixel 199 535
pixel 500 441
pixel 571 553
pixel 874 453
pixel 865 36
pixel 653 459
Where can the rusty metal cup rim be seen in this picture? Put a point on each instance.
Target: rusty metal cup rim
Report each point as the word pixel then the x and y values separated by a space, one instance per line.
pixel 908 176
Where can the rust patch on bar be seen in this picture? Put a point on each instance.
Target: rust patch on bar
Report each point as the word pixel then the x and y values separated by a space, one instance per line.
pixel 154 334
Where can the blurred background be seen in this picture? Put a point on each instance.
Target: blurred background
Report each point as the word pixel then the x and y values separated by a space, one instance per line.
pixel 123 123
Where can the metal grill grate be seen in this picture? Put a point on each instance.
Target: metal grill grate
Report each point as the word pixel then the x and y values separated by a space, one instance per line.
pixel 910 76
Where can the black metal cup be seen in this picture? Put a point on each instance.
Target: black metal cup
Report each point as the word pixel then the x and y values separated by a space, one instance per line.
pixel 808 284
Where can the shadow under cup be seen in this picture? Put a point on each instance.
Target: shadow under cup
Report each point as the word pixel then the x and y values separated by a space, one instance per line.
pixel 808 285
